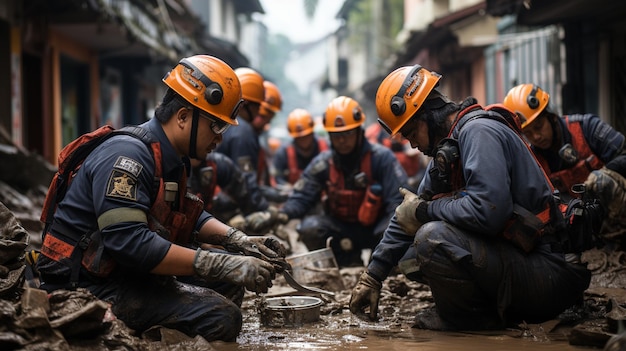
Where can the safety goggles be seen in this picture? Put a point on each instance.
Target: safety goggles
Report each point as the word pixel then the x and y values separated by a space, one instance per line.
pixel 217 125
pixel 344 134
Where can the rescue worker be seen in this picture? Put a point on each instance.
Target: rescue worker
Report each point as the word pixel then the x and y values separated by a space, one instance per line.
pixel 359 180
pixel 126 231
pixel 569 147
pixel 271 105
pixel 412 160
pixel 483 202
pixel 292 159
pixel 225 190
pixel 242 144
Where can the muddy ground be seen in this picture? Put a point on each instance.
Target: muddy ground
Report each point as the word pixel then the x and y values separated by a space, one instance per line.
pixel 581 327
pixel 336 329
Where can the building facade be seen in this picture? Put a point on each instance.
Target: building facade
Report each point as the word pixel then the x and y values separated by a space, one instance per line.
pixel 77 64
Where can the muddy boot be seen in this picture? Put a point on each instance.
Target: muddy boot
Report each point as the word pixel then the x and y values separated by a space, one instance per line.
pixel 429 318
pixel 462 303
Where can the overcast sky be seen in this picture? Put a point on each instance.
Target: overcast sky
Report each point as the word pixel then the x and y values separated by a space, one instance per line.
pixel 288 17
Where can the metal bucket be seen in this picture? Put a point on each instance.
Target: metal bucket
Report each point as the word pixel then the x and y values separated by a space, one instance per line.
pixel 290 311
pixel 317 268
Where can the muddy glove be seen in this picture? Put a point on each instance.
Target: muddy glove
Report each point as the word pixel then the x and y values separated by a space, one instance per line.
pixel 610 188
pixel 406 212
pixel 366 294
pixel 237 241
pixel 252 273
pixel 261 221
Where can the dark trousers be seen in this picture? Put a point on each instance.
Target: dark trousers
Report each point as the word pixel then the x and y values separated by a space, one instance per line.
pixel 480 282
pixel 144 301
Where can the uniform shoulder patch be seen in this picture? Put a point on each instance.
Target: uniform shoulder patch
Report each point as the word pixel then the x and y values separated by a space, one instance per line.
pixel 122 185
pixel 128 165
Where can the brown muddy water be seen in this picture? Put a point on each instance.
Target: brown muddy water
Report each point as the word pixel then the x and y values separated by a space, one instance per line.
pixel 338 329
pixel 346 332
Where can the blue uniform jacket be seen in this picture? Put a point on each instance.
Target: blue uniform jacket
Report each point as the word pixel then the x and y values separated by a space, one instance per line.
pixel 242 145
pixel 133 245
pixel 386 171
pixel 499 171
pixel 241 187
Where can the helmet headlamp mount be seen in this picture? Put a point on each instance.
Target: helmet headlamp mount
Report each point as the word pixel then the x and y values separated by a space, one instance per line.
pixel 532 100
pixel 398 105
pixel 213 93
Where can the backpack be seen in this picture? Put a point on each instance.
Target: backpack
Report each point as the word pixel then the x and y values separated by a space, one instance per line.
pixel 71 159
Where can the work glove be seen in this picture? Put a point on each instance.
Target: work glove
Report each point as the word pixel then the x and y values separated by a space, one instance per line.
pixel 250 272
pixel 237 241
pixel 406 211
pixel 261 221
pixel 365 295
pixel 610 188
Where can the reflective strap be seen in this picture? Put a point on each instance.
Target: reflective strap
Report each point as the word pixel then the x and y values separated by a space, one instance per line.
pixel 55 248
pixel 122 214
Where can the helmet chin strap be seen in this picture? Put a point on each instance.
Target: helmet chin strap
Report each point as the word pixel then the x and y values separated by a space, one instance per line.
pixel 193 137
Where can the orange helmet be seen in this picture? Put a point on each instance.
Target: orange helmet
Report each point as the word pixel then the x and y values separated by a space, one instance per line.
pixel 528 101
pixel 251 84
pixel 273 144
pixel 273 100
pixel 300 123
pixel 209 84
pixel 401 94
pixel 342 114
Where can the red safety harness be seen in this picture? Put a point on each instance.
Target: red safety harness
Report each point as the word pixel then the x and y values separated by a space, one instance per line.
pixel 292 160
pixel 565 179
pixel 344 203
pixel 514 231
pixel 174 220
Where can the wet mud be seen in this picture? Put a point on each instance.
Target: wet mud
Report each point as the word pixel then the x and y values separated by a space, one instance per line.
pixel 401 299
pixel 77 321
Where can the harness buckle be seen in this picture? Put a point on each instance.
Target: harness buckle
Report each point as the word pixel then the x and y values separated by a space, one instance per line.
pixel 83 242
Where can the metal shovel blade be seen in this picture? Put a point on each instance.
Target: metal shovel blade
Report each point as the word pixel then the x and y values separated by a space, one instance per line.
pixel 310 289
